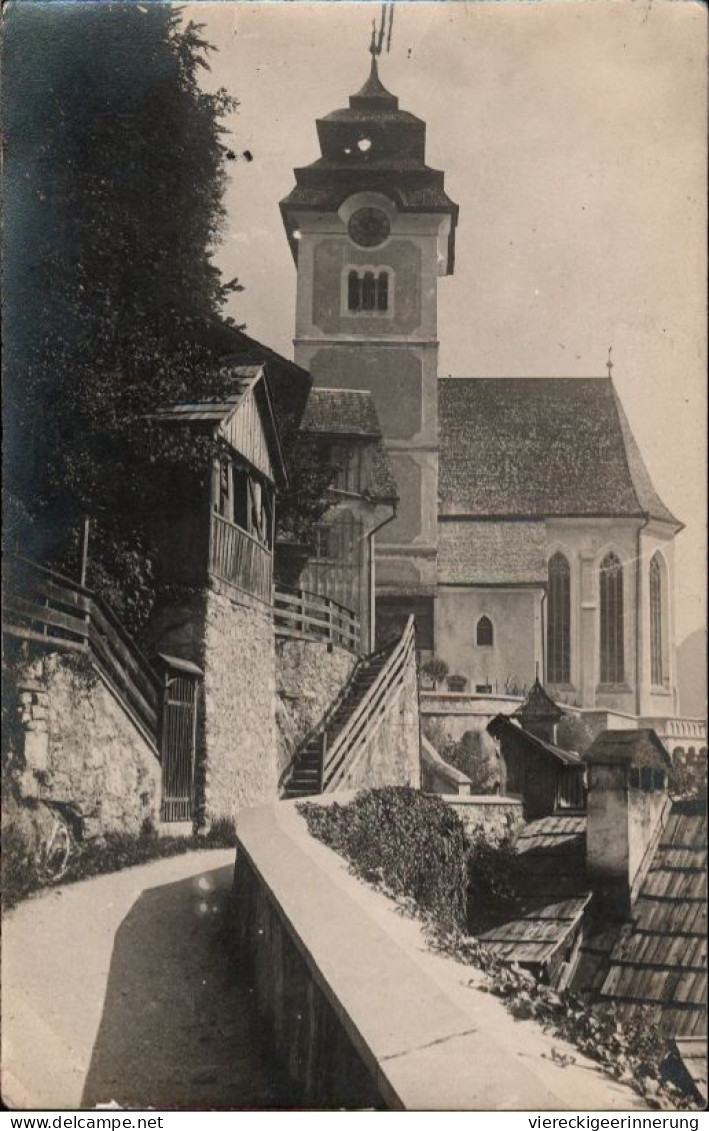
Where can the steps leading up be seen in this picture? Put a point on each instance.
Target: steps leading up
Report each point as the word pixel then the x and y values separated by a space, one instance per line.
pixel 305 780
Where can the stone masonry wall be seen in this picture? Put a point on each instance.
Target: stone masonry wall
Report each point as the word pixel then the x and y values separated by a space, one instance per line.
pixel 309 677
pixel 392 754
pixel 494 817
pixel 238 725
pixel 81 747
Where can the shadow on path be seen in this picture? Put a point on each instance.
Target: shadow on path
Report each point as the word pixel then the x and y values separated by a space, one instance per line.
pixel 177 1029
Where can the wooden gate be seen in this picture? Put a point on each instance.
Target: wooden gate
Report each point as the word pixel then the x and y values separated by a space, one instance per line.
pixel 178 738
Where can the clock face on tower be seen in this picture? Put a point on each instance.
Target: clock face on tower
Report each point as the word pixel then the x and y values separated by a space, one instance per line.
pixel 368 227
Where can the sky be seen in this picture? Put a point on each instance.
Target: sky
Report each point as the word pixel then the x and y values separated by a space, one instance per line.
pixel 572 134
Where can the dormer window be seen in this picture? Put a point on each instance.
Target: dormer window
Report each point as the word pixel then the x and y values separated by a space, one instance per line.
pixel 368 290
pixel 347 461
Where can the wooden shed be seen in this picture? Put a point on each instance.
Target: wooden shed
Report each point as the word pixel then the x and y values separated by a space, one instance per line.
pixel 218 521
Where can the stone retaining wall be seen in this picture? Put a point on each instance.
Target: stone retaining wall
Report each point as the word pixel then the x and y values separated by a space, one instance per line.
pixel 363 1014
pixel 81 747
pixel 238 765
pixel 309 677
pixel 495 817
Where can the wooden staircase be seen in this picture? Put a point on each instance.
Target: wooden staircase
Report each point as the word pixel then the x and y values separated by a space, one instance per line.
pixel 325 757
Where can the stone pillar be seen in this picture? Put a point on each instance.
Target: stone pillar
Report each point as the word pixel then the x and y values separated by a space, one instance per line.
pixel 588 621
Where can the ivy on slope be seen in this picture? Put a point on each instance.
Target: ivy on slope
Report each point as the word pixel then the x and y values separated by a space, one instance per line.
pixel 412 847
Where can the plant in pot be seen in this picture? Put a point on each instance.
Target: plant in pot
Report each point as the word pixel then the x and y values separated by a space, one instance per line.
pixel 436 670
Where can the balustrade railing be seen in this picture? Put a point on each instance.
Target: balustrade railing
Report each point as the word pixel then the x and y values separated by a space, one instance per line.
pixel 338 756
pixel 240 559
pixel 47 608
pixel 301 615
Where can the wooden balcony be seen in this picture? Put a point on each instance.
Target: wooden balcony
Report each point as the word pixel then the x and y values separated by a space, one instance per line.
pixel 240 559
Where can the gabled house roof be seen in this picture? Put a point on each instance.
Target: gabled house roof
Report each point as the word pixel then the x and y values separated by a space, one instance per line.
pixel 631 747
pixel 540 447
pixel 339 414
pixel 508 724
pixel 239 383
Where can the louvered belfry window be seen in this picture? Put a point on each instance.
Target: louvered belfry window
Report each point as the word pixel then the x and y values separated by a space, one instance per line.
pixel 657 672
pixel 559 621
pixel 367 291
pixel 612 652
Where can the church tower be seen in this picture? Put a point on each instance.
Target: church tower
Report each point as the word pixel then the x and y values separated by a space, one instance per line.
pixel 371 230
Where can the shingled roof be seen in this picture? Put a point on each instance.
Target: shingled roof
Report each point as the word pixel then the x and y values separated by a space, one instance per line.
pixel 351 413
pixel 539 447
pixel 551 857
pixel 659 959
pixel 484 552
pixel 341 412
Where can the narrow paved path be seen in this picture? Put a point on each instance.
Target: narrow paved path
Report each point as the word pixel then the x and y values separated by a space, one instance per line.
pixel 123 988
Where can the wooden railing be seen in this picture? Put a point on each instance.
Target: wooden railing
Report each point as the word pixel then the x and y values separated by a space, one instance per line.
pixel 301 615
pixel 366 716
pixel 45 607
pixel 239 559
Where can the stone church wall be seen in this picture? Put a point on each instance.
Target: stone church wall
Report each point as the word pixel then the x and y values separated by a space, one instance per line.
pixel 517 635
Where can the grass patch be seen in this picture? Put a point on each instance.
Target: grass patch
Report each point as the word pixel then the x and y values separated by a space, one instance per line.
pixel 22 833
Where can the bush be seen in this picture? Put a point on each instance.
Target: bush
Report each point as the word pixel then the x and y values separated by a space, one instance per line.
pixel 573 733
pixel 492 879
pixel 408 842
pixel 470 757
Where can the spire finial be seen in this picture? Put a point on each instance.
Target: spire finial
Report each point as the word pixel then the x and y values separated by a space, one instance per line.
pixel 609 363
pixel 376 43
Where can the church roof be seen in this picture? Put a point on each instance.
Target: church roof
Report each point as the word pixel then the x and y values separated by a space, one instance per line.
pixel 539 447
pixel 492 553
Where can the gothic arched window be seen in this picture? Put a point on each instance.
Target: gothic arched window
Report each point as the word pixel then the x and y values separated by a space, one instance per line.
pixel 657 634
pixel 484 635
pixel 559 621
pixel 612 620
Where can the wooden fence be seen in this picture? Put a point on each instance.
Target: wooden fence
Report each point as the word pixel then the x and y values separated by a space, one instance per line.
pixel 337 758
pixel 42 606
pixel 239 559
pixel 301 615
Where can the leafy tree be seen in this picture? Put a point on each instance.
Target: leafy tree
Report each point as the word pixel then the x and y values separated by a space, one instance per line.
pixel 115 169
pixel 574 733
